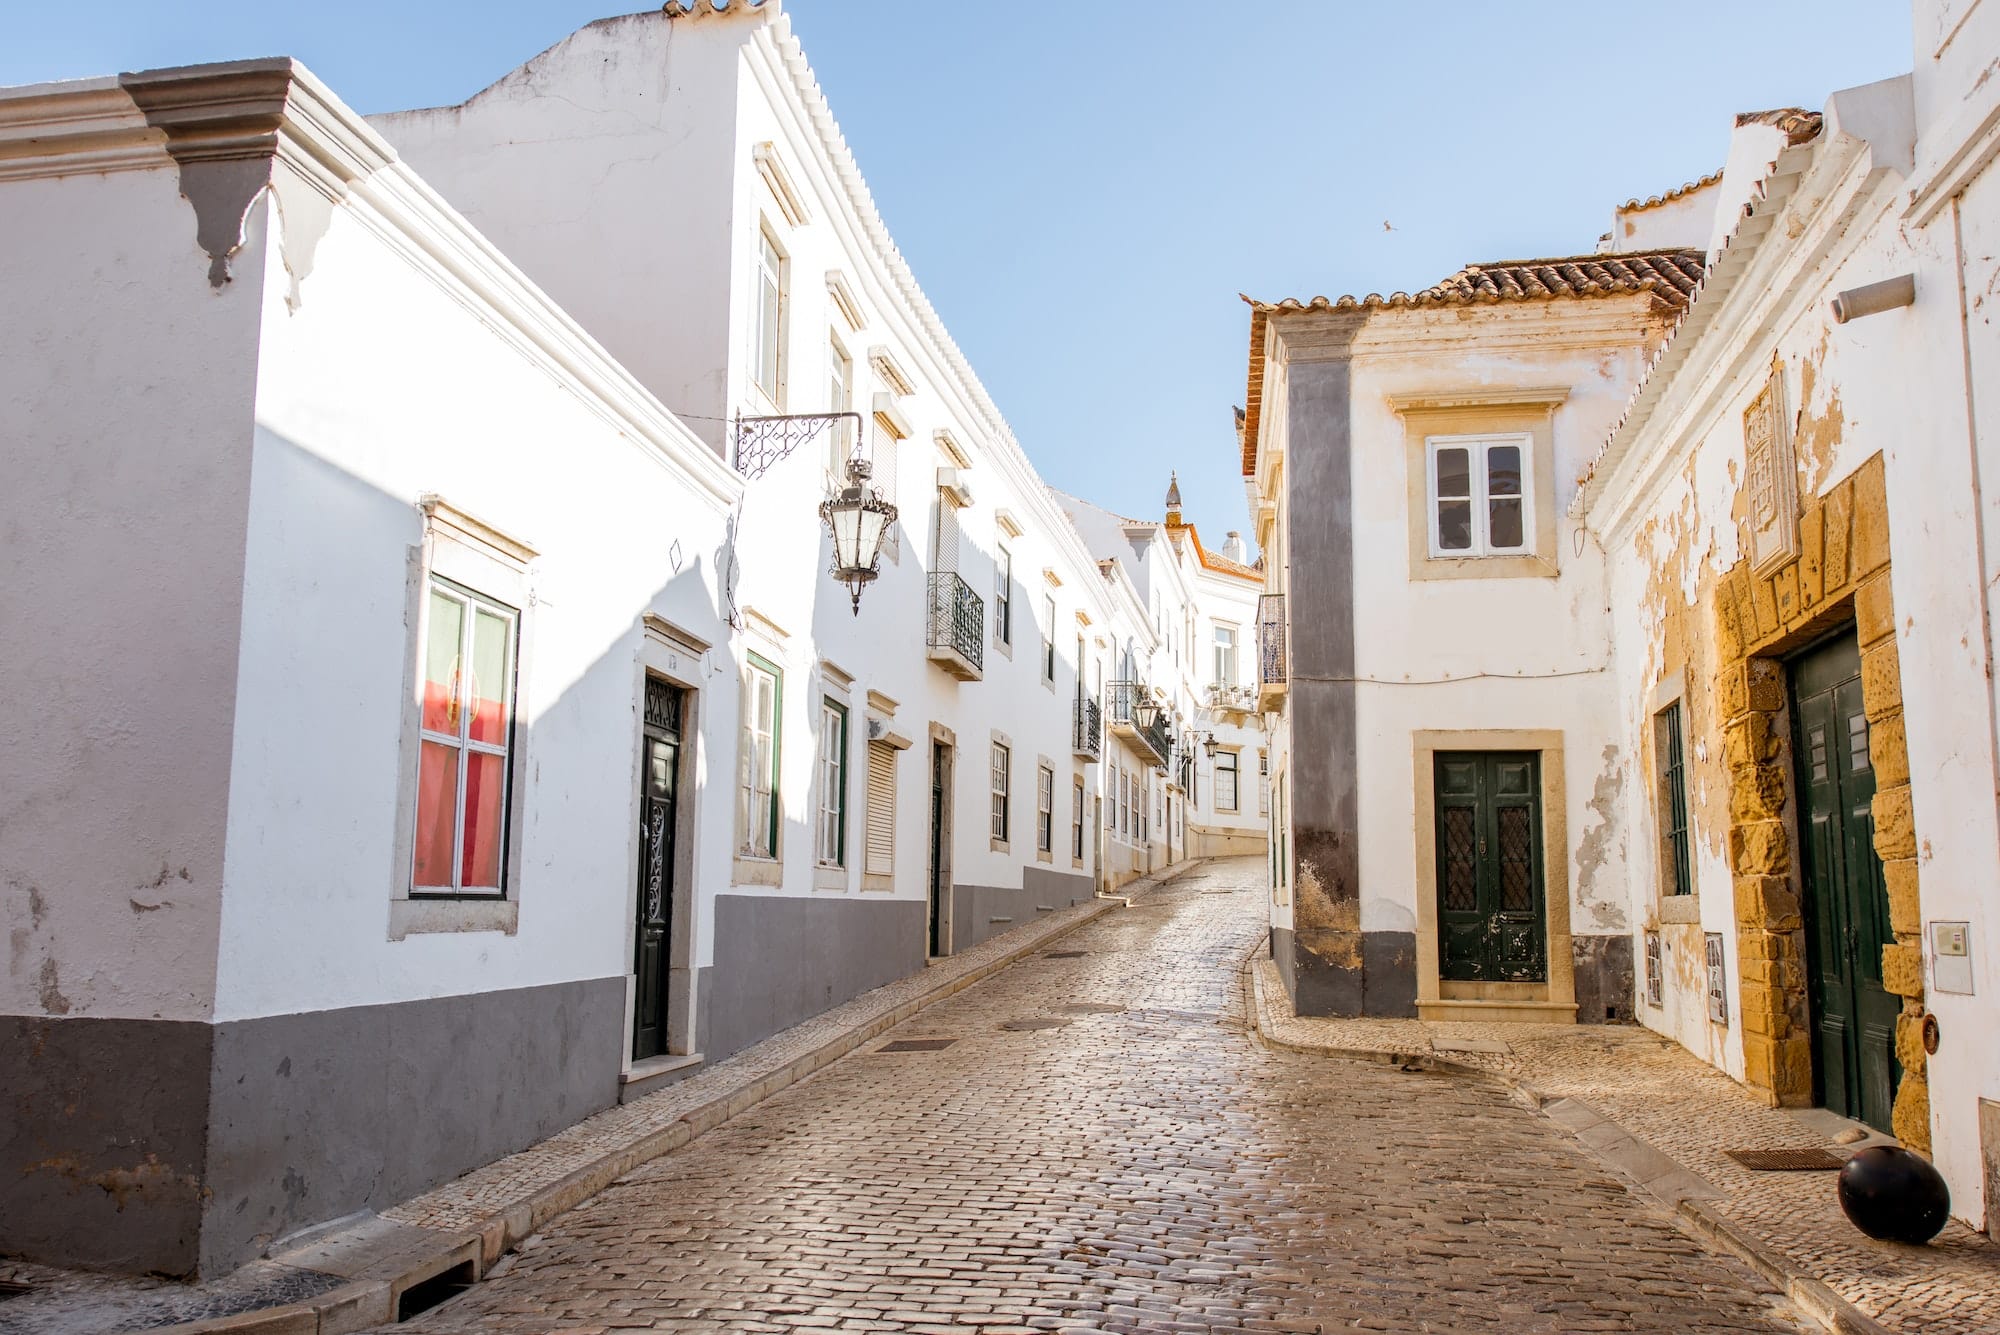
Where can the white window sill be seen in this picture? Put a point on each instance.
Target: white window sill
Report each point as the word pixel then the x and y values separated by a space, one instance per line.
pixel 419 917
pixel 757 871
pixel 1680 908
pixel 827 877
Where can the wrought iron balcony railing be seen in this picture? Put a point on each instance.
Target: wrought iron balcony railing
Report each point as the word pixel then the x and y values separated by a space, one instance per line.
pixel 1124 702
pixel 956 638
pixel 1273 662
pixel 1089 729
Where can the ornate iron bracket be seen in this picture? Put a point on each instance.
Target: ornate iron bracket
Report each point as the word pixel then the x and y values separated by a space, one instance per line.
pixel 764 441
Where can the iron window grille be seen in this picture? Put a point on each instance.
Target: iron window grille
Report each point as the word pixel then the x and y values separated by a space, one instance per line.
pixel 1673 799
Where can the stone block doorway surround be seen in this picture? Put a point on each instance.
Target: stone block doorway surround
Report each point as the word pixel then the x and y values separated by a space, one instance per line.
pixel 1840 576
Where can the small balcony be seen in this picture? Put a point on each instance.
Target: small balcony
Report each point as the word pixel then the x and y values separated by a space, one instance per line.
pixel 956 632
pixel 1230 698
pixel 1089 731
pixel 1124 703
pixel 1273 662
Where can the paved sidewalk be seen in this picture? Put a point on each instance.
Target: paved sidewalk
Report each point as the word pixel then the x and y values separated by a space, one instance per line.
pixel 354 1277
pixel 1651 1109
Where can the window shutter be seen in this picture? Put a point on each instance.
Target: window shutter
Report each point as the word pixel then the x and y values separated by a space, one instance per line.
pixel 881 810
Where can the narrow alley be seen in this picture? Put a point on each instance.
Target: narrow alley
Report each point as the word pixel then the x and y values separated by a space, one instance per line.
pixel 1100 1145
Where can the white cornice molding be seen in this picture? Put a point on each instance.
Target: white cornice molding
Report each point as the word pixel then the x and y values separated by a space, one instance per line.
pixel 277 109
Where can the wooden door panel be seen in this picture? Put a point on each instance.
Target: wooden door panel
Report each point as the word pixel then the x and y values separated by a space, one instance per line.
pixel 1491 906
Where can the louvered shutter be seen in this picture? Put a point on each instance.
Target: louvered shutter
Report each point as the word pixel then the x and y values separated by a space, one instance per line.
pixel 881 860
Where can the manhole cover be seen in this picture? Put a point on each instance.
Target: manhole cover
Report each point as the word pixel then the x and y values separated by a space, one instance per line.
pixel 1788 1161
pixel 1039 1022
pixel 1093 1008
pixel 1064 954
pixel 917 1045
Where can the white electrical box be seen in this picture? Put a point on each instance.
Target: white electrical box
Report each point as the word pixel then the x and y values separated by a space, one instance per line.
pixel 1951 957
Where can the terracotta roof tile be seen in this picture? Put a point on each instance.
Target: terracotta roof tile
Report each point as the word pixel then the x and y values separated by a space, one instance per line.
pixel 1671 276
pixel 1798 124
pixel 1667 197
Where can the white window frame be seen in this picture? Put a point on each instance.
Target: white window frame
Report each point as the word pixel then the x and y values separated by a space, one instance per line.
pixel 1045 809
pixel 769 306
pixel 1001 766
pixel 754 787
pixel 462 743
pixel 1076 822
pixel 1225 654
pixel 1003 597
pixel 840 399
pixel 1476 447
pixel 831 810
pixel 1234 769
pixel 1049 639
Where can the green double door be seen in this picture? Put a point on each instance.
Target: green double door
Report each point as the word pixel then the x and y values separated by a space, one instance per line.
pixel 1846 908
pixel 1492 927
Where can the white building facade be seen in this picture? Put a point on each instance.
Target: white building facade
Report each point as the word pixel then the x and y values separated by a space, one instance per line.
pixel 504 750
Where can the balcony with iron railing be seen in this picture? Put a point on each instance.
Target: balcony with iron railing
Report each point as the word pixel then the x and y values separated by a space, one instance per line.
pixel 1273 662
pixel 1228 697
pixel 956 632
pixel 1125 704
pixel 1089 730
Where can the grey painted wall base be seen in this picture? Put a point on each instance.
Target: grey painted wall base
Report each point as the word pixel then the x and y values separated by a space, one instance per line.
pixel 103 1141
pixel 1605 991
pixel 318 1115
pixel 184 1148
pixel 1324 976
pixel 780 960
pixel 980 912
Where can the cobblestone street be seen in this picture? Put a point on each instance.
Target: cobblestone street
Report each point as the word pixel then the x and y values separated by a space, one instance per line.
pixel 1103 1146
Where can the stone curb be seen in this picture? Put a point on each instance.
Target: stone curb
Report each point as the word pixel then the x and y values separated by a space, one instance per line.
pixel 364 1304
pixel 1807 1292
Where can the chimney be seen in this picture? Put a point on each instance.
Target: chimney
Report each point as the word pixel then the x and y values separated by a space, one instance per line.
pixel 1232 547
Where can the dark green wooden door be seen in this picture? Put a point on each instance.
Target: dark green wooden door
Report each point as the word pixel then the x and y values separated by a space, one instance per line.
pixel 1491 923
pixel 1846 909
pixel 659 784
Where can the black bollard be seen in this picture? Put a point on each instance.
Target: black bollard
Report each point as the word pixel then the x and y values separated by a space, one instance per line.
pixel 1891 1194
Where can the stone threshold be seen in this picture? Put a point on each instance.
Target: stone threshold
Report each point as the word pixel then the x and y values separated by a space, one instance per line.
pixel 1806 1274
pixel 456 1233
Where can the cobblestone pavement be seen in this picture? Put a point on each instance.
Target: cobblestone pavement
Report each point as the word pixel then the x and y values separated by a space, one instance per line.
pixel 1676 1104
pixel 1104 1146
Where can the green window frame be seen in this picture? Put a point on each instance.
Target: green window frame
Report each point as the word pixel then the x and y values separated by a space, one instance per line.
pixel 1670 751
pixel 760 808
pixel 832 814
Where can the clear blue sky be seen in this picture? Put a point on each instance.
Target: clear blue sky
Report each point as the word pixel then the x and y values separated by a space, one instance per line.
pixel 1083 188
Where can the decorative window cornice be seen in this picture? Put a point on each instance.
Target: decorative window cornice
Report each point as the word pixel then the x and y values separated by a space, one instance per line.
pixel 772 169
pixel 891 373
pixel 842 297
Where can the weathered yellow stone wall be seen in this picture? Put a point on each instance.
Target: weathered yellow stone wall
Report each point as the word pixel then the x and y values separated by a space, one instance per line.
pixel 1841 574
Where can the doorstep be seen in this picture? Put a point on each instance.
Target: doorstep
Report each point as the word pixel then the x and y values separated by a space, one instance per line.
pixel 656 1073
pixel 1469 1011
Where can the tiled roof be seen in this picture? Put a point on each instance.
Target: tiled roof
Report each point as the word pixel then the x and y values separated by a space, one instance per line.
pixel 1668 197
pixel 1670 275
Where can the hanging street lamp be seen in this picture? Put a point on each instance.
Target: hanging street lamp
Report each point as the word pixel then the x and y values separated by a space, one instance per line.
pixel 1144 712
pixel 1208 744
pixel 858 518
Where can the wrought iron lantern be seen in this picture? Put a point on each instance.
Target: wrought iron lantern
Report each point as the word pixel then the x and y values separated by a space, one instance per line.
pixel 1145 712
pixel 1208 745
pixel 858 518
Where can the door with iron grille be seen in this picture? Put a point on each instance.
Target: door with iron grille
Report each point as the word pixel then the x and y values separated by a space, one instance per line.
pixel 1846 908
pixel 659 784
pixel 1492 927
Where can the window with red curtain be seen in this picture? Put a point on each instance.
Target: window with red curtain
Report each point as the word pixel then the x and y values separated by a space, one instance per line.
pixel 466 708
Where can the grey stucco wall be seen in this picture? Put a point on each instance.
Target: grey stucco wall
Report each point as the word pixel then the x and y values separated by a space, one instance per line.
pixel 317 1115
pixel 103 1141
pixel 1605 990
pixel 981 912
pixel 783 959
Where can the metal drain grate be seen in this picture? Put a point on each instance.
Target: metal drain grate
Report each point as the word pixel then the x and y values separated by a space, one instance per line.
pixel 1042 1022
pixel 917 1045
pixel 1064 954
pixel 1788 1161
